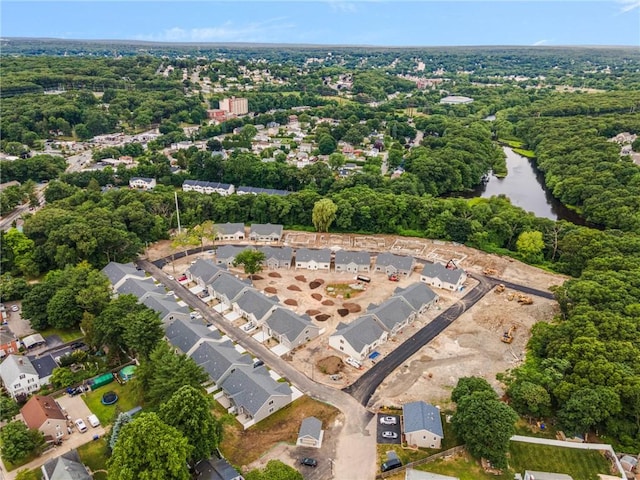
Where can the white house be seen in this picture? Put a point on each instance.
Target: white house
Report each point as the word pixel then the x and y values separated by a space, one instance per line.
pixel 289 328
pixel 311 433
pixel 142 183
pixel 19 376
pixel 277 257
pixel 422 425
pixel 390 263
pixel 312 259
pixel 207 188
pixel 439 276
pixel 265 232
pixel 352 262
pixel 358 338
pixel 229 231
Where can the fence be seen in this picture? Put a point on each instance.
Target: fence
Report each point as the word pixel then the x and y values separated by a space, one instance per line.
pixel 422 461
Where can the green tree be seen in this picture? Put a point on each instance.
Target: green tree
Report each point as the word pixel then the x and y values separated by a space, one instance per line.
pixel 326 144
pixel 589 407
pixel 336 161
pixel 61 377
pixel 121 420
pixel 251 260
pixel 148 449
pixel 275 470
pixel 18 442
pixel 324 213
pixel 143 331
pixel 8 408
pixel 530 245
pixel 189 411
pixel 468 385
pixel 529 398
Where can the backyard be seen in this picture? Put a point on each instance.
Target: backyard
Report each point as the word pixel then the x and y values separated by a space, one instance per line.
pixel 94 455
pixel 127 399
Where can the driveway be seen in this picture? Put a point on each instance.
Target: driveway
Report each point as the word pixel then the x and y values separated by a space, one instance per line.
pixel 395 428
pixel 75 408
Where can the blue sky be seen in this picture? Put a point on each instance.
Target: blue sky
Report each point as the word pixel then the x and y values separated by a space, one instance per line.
pixel 365 22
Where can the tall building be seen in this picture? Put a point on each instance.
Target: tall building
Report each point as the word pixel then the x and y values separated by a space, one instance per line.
pixel 237 106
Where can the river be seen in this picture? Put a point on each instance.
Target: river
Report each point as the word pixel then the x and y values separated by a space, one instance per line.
pixel 524 186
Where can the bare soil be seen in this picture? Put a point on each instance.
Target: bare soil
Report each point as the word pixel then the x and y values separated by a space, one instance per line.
pixel 312 312
pixel 301 278
pixel 323 317
pixel 352 307
pixel 330 365
pixel 291 301
pixel 271 290
pixel 294 288
pixel 313 285
pixel 316 296
pixel 343 312
pixel 275 275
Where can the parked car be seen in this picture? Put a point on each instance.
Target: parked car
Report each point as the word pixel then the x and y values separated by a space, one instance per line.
pixel 170 277
pixel 388 434
pixel 182 278
pixel 388 420
pixel 257 363
pixel 15 308
pixel 309 462
pixel 80 425
pixel 77 345
pixel 93 421
pixel 391 464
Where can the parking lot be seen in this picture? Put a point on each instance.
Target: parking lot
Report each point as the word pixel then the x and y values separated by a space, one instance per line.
pixel 76 408
pixel 386 424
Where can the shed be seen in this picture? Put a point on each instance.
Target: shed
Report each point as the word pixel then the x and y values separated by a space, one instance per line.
pixel 33 340
pixel 311 433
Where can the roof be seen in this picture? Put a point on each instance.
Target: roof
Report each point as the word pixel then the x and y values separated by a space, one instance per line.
pixel 288 323
pixel 229 286
pixel 533 475
pixel 263 229
pixel 279 253
pixel 250 388
pixel 32 340
pixel 322 255
pixel 401 262
pixel 344 257
pixel 252 301
pixel 184 334
pixel 15 365
pixel 205 270
pixel 257 190
pixel 229 251
pixel 144 179
pixel 229 228
pixel 417 295
pixel 310 427
pixel 139 287
pixel 393 311
pixel 437 270
pixel 39 409
pixel 68 466
pixel 412 474
pixel 217 357
pixel 44 365
pixel 422 416
pixel 202 183
pixel 361 332
pixel 117 271
pixel 7 337
pixel 216 469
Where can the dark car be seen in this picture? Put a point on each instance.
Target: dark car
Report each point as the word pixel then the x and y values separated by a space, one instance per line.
pixel 391 464
pixel 309 462
pixel 76 345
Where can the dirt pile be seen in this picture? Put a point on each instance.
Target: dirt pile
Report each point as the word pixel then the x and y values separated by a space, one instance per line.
pixel 352 307
pixel 343 312
pixel 301 278
pixel 322 318
pixel 294 288
pixel 291 301
pixel 271 290
pixel 316 296
pixel 330 365
pixel 275 275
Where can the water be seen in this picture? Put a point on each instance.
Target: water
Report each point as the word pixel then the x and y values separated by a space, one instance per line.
pixel 524 186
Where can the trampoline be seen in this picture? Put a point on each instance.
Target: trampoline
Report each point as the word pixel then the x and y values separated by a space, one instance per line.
pixel 109 398
pixel 127 372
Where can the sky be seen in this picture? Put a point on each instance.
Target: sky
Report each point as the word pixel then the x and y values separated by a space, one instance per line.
pixel 331 22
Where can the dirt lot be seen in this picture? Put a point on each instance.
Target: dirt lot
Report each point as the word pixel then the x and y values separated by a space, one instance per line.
pixel 471 346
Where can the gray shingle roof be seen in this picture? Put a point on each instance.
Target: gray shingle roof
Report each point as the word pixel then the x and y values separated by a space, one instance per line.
pixel 15 365
pixel 344 257
pixel 252 301
pixel 322 255
pixel 44 365
pixel 392 312
pixel 68 466
pixel 216 469
pixel 310 427
pixel 139 288
pixel 202 183
pixel 117 271
pixel 229 228
pixel 184 334
pixel 217 358
pixel 361 332
pixel 417 295
pixel 229 286
pixel 263 229
pixel 287 323
pixel 437 270
pixel 164 305
pixel 279 253
pixel 401 262
pixel 229 251
pixel 250 388
pixel 258 190
pixel 422 416
pixel 205 270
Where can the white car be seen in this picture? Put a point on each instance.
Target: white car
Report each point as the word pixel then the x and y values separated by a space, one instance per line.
pixel 15 308
pixel 388 420
pixel 170 277
pixel 80 425
pixel 93 421
pixel 389 435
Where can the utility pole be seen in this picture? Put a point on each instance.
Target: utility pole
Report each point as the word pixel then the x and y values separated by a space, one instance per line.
pixel 177 212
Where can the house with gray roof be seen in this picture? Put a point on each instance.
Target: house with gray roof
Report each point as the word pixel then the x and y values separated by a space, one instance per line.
pixel 203 272
pixel 311 433
pixel 439 276
pixel 226 254
pixel 254 393
pixel 358 338
pixel 393 314
pixel 218 359
pixel 166 307
pixel 533 475
pixel 226 288
pixel 289 328
pixel 390 263
pixel 411 474
pixel 422 425
pixel 229 231
pixel 216 469
pixel 140 288
pixel 117 273
pixel 352 262
pixel 44 365
pixel 261 232
pixel 277 257
pixel 207 188
pixel 19 376
pixel 67 466
pixel 418 295
pixel 313 259
pixel 184 335
pixel 254 306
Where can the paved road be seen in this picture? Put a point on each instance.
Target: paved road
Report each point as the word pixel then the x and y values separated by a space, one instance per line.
pixel 364 388
pixel 522 288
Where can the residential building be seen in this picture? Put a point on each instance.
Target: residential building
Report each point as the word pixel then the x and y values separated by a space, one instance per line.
pixel 203 272
pixel 277 257
pixel 390 264
pixel 393 314
pixel 226 254
pixel 117 273
pixel 236 106
pixel 311 433
pixel 207 188
pixel 439 276
pixel 422 425
pixel 43 413
pixel 186 335
pixel 455 100
pixel 411 474
pixel 67 466
pixel 219 359
pixel 34 340
pixel 8 343
pixel 166 306
pixel 532 475
pixel 418 295
pixel 313 259
pixel 229 231
pixel 358 338
pixel 216 469
pixel 254 306
pixel 289 328
pixel 142 183
pixel 226 288
pixel 352 262
pixel 44 365
pixel 139 287
pixel 19 376
pixel 265 232
pixel 257 191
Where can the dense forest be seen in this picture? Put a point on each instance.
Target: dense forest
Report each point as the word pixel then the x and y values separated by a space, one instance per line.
pixel 583 368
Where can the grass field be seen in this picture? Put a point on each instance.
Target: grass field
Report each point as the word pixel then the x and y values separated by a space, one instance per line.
pixel 580 464
pixel 525 153
pixel 65 335
pixel 126 401
pixel 94 455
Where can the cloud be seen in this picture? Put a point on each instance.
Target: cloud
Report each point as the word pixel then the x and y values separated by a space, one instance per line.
pixel 226 32
pixel 339 6
pixel 628 5
pixel 540 42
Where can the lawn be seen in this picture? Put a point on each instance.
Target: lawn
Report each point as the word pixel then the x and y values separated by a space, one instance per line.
pixel 463 467
pixel 242 447
pixel 127 399
pixel 65 335
pixel 94 455
pixel 525 153
pixel 580 464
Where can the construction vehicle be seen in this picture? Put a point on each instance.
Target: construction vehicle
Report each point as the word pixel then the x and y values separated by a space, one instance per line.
pixel 507 337
pixel 500 288
pixel 394 277
pixel 524 299
pixel 490 271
